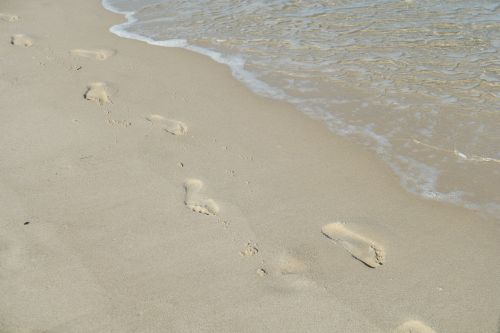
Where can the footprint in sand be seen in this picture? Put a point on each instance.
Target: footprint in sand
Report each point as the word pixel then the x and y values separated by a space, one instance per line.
pixel 261 272
pixel 97 54
pixel 98 93
pixel 293 272
pixel 21 40
pixel 8 17
pixel 361 248
pixel 194 202
pixel 413 326
pixel 250 250
pixel 171 126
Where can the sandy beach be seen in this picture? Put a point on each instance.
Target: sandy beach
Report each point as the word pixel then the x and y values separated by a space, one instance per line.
pixel 144 189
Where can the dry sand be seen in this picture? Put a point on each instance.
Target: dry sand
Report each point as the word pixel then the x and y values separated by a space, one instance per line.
pixel 143 189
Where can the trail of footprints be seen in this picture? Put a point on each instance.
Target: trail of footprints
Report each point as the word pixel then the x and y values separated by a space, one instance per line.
pixel 358 246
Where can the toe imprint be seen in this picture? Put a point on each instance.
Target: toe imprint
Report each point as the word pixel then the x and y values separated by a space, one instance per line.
pixel 195 202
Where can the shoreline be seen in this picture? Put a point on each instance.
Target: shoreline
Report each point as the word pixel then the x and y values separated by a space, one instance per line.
pixel 419 179
pixel 113 243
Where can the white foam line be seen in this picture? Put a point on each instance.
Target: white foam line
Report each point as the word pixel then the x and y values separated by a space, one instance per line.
pixel 236 64
pixel 473 158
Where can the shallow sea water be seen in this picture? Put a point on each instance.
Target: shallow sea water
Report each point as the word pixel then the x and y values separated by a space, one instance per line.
pixel 416 81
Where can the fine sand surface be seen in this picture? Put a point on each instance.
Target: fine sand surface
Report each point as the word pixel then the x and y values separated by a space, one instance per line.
pixel 143 189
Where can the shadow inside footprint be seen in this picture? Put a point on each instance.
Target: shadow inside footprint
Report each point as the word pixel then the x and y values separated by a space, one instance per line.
pixel 193 200
pixel 97 92
pixel 171 126
pixel 21 40
pixel 360 247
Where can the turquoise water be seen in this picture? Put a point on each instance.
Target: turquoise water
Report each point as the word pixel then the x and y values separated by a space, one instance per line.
pixel 416 81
